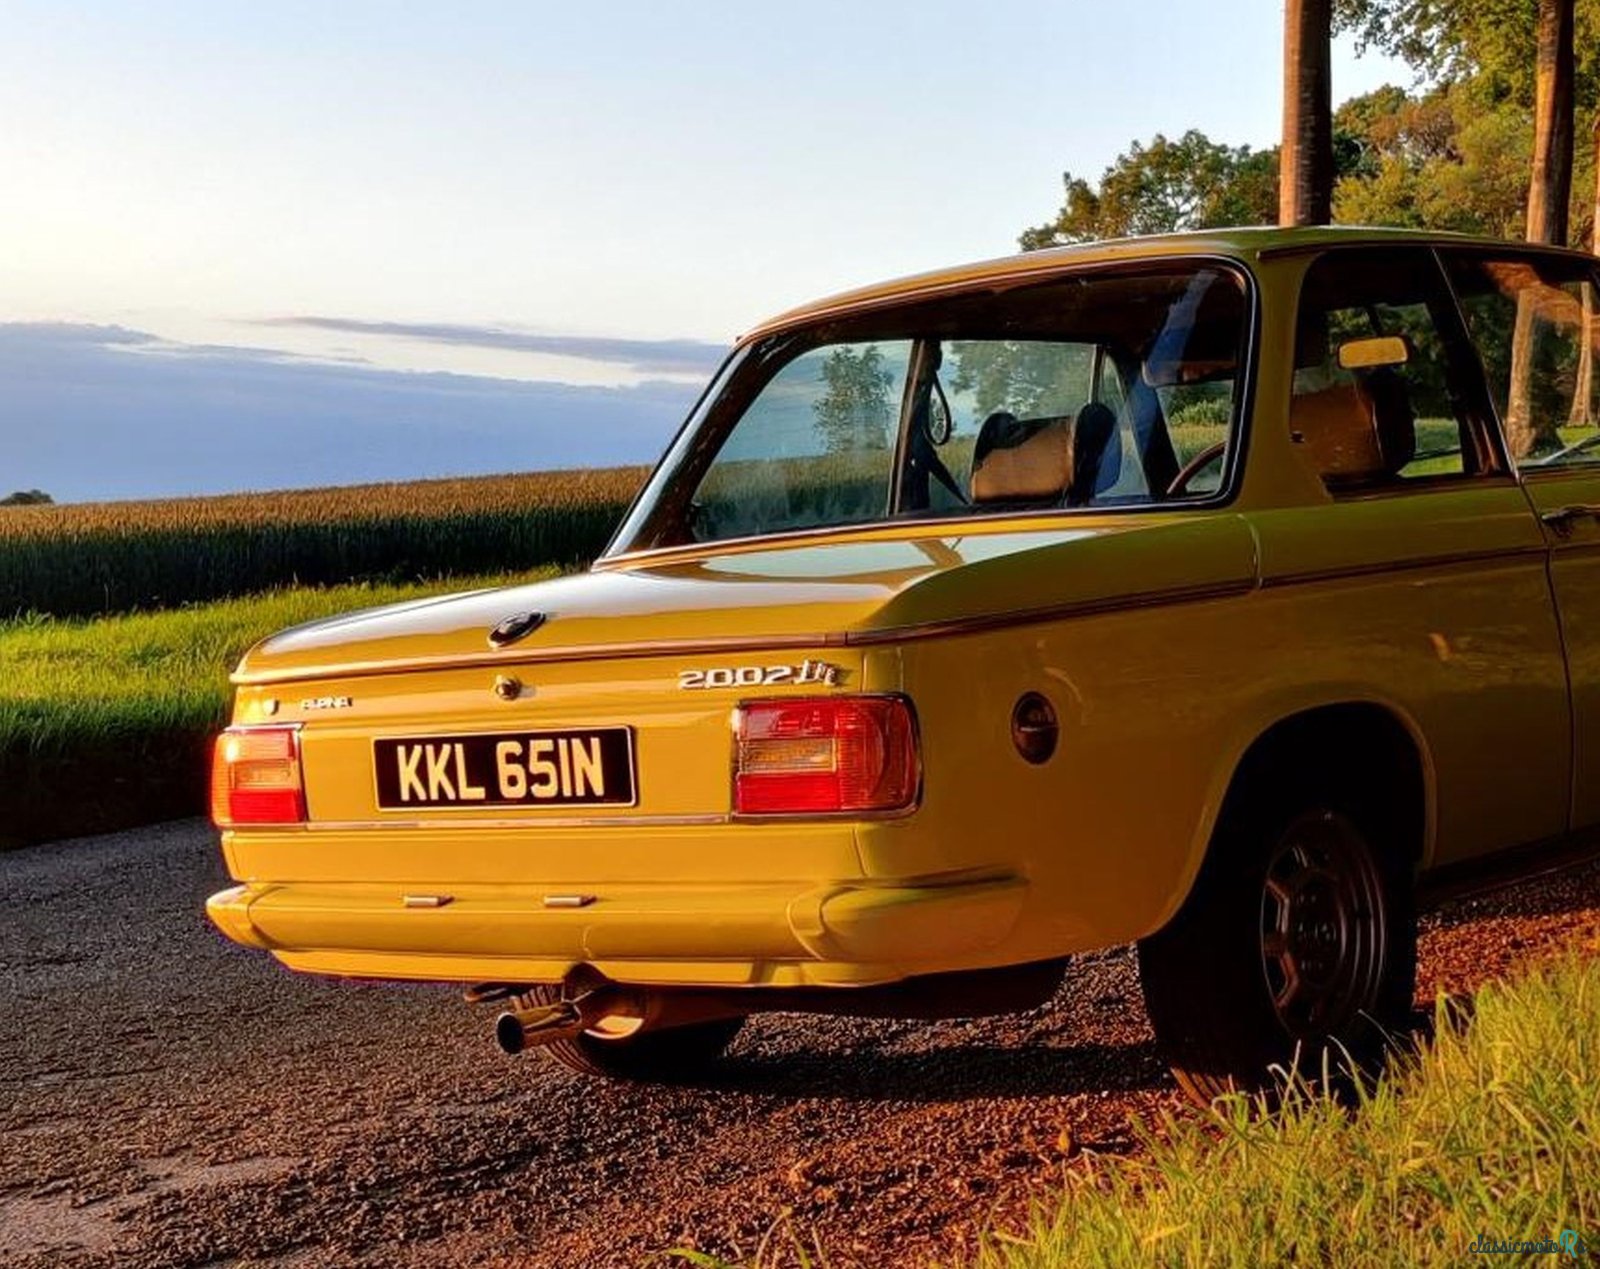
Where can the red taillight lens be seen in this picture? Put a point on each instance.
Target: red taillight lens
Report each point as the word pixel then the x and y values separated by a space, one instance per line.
pixel 824 755
pixel 255 777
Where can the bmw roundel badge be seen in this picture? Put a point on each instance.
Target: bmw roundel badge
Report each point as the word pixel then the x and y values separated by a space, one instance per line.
pixel 515 627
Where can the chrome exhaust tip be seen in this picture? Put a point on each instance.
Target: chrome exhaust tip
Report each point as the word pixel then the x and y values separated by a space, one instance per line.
pixel 520 1029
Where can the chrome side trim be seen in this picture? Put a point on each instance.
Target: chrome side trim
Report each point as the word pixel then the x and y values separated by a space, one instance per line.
pixel 1464 559
pixel 525 656
pixel 519 822
pixel 1055 612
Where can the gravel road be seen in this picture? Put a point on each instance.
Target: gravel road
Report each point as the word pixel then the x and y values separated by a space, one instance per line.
pixel 167 1098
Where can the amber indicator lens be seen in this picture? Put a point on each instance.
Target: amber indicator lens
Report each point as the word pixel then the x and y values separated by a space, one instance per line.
pixel 825 755
pixel 255 777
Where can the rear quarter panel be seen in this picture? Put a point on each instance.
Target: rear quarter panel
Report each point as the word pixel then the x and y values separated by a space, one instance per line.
pixel 1436 611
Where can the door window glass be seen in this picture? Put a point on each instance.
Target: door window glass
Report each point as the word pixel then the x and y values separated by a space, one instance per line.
pixel 1533 321
pixel 1375 385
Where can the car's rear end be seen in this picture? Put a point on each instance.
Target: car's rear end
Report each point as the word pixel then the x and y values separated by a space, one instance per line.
pixel 513 815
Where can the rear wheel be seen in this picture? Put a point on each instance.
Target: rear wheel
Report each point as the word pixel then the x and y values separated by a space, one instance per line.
pixel 623 1048
pixel 1296 949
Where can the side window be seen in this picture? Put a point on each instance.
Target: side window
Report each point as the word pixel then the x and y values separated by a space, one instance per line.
pixel 1533 321
pixel 1377 397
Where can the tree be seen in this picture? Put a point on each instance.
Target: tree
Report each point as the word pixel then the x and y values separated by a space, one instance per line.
pixel 1491 49
pixel 855 413
pixel 1452 41
pixel 1582 414
pixel 1550 191
pixel 27 498
pixel 1445 158
pixel 1528 431
pixel 1165 186
pixel 1305 183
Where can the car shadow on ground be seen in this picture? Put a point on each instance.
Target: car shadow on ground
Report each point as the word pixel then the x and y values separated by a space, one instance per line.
pixel 1566 890
pixel 941 1074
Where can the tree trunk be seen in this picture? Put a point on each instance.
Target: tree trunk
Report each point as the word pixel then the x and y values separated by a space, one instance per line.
pixel 1582 414
pixel 1549 192
pixel 1305 163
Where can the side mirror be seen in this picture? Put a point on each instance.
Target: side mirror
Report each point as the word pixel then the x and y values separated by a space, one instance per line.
pixel 1368 354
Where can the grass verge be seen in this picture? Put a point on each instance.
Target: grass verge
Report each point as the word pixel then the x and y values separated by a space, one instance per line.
pixel 1493 1131
pixel 105 723
pixel 1490 1136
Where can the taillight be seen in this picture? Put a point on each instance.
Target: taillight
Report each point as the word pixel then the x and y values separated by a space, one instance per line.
pixel 255 777
pixel 824 755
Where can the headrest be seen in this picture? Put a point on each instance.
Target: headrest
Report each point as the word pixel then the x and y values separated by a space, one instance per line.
pixel 1363 430
pixel 1021 460
pixel 1055 459
pixel 1096 455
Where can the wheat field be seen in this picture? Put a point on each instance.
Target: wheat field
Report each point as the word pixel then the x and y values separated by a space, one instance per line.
pixel 96 558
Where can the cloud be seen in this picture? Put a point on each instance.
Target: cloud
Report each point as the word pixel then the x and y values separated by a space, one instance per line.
pixel 87 414
pixel 74 333
pixel 648 356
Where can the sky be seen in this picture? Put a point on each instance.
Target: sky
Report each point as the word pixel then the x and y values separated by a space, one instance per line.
pixel 235 230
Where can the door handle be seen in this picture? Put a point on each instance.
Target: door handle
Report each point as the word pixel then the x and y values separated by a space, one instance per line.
pixel 1561 518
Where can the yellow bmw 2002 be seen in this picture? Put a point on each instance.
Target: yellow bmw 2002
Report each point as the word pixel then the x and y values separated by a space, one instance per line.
pixel 1217 592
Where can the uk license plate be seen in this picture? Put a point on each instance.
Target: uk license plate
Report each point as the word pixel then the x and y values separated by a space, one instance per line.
pixel 591 767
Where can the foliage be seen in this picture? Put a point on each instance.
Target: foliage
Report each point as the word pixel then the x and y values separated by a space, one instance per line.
pixel 1203 411
pixel 121 708
pixel 1439 160
pixel 82 559
pixel 1478 60
pixel 1446 157
pixel 1492 41
pixel 26 498
pixel 1190 183
pixel 1490 1131
pixel 855 413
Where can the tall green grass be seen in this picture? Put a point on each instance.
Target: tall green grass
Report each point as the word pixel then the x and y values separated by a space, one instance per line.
pixel 82 560
pixel 106 722
pixel 1491 1131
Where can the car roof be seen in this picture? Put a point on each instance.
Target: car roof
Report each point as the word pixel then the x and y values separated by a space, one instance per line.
pixel 1241 243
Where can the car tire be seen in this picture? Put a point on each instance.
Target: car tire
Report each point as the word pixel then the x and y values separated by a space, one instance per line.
pixel 1296 949
pixel 664 1055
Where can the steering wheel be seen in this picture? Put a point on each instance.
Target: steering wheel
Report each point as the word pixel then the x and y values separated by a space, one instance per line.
pixel 1196 465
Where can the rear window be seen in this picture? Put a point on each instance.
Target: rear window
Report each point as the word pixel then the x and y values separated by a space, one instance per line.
pixel 1092 391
